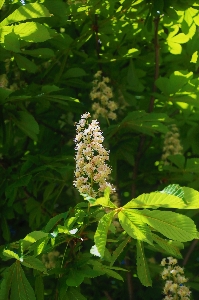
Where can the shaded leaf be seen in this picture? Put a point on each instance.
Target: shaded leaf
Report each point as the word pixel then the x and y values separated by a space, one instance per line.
pixel 142 266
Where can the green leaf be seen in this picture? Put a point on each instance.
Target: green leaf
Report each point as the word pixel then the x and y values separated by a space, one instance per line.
pixel 146 123
pixel 39 287
pixel 155 200
pixel 32 237
pixel 105 201
pixel 11 254
pixel 191 197
pixel 11 42
pixel 34 263
pixel 132 223
pixel 7 282
pixel 175 190
pixel 27 124
pixel 5 229
pixel 74 278
pixel 52 222
pixel 25 64
pixel 1 3
pixel 32 32
pixel 170 247
pixel 142 266
pixel 4 94
pixel 106 270
pixel 21 288
pixel 25 12
pixel 41 53
pixel 74 72
pixel 10 190
pixel 119 250
pixel 173 225
pixel 100 236
pixel 74 294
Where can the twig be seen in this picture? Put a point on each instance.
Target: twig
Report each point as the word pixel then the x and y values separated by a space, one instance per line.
pixel 107 295
pixel 191 248
pixel 129 281
pixel 157 58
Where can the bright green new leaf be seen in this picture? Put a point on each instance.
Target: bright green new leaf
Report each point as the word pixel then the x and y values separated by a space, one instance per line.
pixel 34 263
pixel 105 201
pixel 142 266
pixel 171 247
pixel 10 254
pixel 100 236
pixel 173 225
pixel 32 237
pixel 155 200
pixel 1 3
pixel 26 12
pixel 132 223
pixel 192 198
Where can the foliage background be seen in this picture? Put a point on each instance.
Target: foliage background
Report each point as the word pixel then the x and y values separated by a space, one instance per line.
pixel 48 58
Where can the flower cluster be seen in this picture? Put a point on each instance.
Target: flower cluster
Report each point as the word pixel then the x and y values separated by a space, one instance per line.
pixel 172 144
pixel 103 93
pixel 174 288
pixel 50 259
pixel 91 169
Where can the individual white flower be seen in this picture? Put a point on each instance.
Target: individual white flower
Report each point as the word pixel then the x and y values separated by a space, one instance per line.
pixel 91 171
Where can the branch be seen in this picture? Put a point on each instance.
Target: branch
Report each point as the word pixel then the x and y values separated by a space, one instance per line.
pixel 157 58
pixel 191 248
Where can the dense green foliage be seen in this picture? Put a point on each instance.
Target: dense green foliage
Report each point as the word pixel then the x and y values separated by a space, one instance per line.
pixel 54 242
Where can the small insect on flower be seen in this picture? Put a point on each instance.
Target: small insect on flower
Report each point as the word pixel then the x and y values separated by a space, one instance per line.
pixel 91 171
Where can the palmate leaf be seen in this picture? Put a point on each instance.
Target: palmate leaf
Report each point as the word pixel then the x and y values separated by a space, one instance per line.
pixel 155 200
pixel 173 225
pixel 132 223
pixel 171 247
pixel 21 288
pixel 142 266
pixel 16 281
pixel 100 236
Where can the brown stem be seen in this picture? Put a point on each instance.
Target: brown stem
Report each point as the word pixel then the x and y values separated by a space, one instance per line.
pixel 191 248
pixel 129 281
pixel 107 295
pixel 136 166
pixel 157 58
